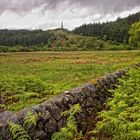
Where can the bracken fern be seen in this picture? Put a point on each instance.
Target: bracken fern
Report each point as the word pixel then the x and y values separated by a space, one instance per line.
pixel 30 121
pixel 18 132
pixel 68 132
pixel 121 120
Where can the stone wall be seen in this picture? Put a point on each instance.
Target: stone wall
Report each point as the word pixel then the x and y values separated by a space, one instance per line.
pixel 91 97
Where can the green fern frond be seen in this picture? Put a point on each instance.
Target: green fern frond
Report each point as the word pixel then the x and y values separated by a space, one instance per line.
pixel 30 120
pixel 68 132
pixel 121 120
pixel 18 132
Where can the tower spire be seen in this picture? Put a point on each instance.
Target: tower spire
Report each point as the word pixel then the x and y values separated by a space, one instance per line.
pixel 62 25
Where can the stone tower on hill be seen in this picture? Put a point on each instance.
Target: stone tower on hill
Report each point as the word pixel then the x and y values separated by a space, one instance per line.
pixel 62 26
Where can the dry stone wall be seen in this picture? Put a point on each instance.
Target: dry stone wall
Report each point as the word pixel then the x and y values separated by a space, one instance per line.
pixel 91 97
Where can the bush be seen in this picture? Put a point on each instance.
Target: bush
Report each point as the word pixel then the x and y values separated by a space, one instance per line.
pixel 3 49
pixel 13 49
pixel 58 44
pixel 100 45
pixel 129 48
pixel 118 47
pixel 25 49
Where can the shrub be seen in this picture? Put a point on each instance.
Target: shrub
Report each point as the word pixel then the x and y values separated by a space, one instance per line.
pixel 25 49
pixel 3 49
pixel 118 47
pixel 13 49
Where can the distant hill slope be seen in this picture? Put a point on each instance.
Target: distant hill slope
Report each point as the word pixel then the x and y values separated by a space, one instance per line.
pixel 54 40
pixel 66 40
pixel 105 36
pixel 115 31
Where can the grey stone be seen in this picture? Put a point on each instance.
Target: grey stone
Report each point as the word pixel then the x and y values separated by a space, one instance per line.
pixel 40 135
pixel 90 99
pixel 87 89
pixel 71 99
pixel 75 98
pixel 59 124
pixel 40 125
pixel 6 117
pixel 59 102
pixel 66 100
pixel 83 95
pixel 51 126
pixel 101 83
pixel 112 80
pixel 46 115
pixel 53 109
pixel 75 90
pixel 37 108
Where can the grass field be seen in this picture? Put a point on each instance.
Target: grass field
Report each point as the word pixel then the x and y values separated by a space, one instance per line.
pixel 31 78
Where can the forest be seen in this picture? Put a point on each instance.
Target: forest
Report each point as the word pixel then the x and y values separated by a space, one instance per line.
pixel 24 37
pixel 117 31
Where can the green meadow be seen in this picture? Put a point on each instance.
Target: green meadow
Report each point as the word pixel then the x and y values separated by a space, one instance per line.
pixel 27 79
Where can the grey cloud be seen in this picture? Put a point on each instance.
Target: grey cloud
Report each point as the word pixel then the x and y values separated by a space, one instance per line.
pixel 47 26
pixel 49 13
pixel 25 6
pixel 110 5
pixel 93 6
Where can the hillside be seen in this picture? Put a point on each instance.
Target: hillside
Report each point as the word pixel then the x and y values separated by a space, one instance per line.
pixel 117 31
pixel 52 40
pixel 65 40
pixel 68 41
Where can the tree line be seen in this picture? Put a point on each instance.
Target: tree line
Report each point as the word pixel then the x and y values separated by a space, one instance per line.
pixel 117 31
pixel 24 37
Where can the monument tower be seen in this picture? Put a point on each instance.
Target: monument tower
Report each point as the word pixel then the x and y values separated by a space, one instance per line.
pixel 62 27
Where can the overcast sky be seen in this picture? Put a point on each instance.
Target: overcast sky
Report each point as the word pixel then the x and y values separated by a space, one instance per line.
pixel 48 14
